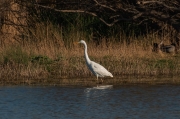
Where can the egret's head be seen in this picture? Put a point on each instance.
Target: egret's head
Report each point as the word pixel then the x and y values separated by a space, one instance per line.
pixel 81 41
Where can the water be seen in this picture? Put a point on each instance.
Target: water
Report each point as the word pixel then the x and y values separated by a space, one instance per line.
pixel 123 102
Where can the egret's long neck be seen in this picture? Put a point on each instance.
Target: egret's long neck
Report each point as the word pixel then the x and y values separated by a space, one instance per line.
pixel 85 54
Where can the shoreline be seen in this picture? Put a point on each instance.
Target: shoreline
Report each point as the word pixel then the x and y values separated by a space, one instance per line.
pixel 88 82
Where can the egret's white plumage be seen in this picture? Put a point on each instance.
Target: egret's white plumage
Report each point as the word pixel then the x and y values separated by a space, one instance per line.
pixel 96 69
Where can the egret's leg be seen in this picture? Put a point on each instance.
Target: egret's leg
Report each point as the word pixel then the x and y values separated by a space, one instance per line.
pixel 101 80
pixel 97 78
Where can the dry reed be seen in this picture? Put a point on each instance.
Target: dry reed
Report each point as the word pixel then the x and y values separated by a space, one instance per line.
pixel 47 53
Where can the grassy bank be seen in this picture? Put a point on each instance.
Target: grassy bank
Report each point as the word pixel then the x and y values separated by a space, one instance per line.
pixel 49 53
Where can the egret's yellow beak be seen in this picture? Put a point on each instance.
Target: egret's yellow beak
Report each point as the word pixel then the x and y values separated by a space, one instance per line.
pixel 75 43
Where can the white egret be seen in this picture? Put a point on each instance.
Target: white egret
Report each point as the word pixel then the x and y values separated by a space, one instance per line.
pixel 96 69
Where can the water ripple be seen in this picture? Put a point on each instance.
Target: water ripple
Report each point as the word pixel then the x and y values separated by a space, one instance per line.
pixel 74 103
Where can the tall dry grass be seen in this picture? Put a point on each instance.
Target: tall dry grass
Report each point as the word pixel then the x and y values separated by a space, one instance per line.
pixel 48 52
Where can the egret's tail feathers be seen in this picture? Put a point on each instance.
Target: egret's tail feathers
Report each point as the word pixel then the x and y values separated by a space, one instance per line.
pixel 110 74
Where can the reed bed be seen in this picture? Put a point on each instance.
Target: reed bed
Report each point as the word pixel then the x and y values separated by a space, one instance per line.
pixel 48 52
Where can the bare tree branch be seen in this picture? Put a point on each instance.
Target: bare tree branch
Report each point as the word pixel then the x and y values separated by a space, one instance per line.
pixel 79 11
pixel 105 6
pixel 114 11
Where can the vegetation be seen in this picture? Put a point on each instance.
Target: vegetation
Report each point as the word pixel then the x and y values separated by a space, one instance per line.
pixel 51 58
pixel 43 51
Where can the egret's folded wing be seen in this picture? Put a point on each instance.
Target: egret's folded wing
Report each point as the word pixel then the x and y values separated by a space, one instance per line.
pixel 100 70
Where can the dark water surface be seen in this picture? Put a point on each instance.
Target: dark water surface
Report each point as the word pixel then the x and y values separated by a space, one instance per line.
pixel 123 102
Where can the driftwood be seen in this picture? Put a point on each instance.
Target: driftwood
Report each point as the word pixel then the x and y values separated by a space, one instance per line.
pixel 172 48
